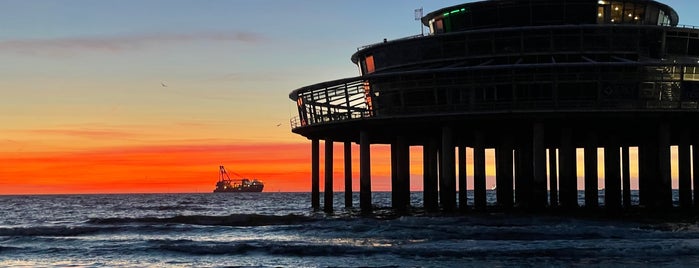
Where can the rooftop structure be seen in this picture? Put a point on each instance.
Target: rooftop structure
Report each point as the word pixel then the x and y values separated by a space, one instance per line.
pixel 526 78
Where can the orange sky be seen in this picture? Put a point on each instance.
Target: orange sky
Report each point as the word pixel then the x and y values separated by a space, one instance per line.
pixel 194 168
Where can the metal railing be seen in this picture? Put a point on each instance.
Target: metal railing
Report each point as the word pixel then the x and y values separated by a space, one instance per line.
pixel 394 40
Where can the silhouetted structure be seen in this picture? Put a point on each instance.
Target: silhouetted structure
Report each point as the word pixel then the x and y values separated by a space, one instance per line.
pixel 520 76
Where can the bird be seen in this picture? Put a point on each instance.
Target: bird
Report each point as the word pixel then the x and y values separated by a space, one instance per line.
pixel 279 124
pixel 163 84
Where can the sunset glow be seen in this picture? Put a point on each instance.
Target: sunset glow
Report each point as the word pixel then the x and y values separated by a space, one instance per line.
pixel 105 98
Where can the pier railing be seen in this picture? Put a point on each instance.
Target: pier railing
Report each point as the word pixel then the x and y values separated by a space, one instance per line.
pixel 649 88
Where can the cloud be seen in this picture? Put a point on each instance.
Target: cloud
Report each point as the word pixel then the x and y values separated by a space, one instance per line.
pixel 120 43
pixel 83 133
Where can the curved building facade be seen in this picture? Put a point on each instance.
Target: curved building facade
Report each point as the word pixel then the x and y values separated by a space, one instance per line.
pixel 526 78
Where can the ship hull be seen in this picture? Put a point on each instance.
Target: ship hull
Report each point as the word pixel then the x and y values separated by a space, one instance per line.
pixel 250 189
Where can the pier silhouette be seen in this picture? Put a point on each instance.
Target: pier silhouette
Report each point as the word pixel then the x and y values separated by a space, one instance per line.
pixel 527 79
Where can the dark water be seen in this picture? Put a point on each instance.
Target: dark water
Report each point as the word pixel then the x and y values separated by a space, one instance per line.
pixel 279 229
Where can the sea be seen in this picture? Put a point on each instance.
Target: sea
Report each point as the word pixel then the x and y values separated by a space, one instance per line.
pixel 282 230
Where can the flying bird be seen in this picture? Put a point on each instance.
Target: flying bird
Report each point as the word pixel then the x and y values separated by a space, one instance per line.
pixel 163 84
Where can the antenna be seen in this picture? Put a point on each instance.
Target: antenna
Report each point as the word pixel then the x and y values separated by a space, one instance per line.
pixel 418 17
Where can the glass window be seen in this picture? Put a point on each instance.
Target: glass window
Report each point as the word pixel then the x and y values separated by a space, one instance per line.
pixel 628 15
pixel 437 26
pixel 652 15
pixel 691 73
pixel 370 64
pixel 617 12
pixel 661 18
pixel 639 13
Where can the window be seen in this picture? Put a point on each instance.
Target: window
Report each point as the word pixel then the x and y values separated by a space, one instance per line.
pixel 437 26
pixel 370 64
pixel 617 12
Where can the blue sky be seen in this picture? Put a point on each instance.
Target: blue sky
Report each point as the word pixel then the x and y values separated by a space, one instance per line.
pixel 227 64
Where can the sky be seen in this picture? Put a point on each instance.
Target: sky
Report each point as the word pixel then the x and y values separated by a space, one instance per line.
pixel 152 96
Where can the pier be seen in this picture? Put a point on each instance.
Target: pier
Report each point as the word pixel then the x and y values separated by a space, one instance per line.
pixel 536 87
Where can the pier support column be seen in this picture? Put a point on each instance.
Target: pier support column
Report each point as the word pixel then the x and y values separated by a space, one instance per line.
pixel 430 174
pixel 647 166
pixel 695 165
pixel 626 176
pixel 348 174
pixel 612 177
pixel 463 197
pixel 654 170
pixel 523 175
pixel 591 167
pixel 518 177
pixel 539 196
pixel 685 171
pixel 553 177
pixel 447 178
pixel 479 188
pixel 364 171
pixel 503 174
pixel 328 191
pixel 394 176
pixel 315 174
pixel 664 165
pixel 403 174
pixel 568 173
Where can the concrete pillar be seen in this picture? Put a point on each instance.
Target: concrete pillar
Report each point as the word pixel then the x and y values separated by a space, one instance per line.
pixel 539 194
pixel 654 177
pixel 626 176
pixel 364 171
pixel 503 175
pixel 664 165
pixel 612 177
pixel 394 175
pixel 553 177
pixel 647 166
pixel 591 168
pixel 463 199
pixel 479 188
pixel 315 173
pixel 447 178
pixel 430 174
pixel 328 191
pixel 518 178
pixel 523 176
pixel 685 171
pixel 695 165
pixel 348 174
pixel 403 174
pixel 568 173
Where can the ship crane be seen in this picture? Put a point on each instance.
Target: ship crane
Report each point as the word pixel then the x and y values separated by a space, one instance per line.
pixel 226 184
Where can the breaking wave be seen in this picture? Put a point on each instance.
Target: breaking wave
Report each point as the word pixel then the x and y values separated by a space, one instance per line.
pixel 230 220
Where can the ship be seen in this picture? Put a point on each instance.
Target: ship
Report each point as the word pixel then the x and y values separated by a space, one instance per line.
pixel 227 185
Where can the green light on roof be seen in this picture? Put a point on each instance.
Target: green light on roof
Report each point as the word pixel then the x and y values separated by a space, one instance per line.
pixel 455 11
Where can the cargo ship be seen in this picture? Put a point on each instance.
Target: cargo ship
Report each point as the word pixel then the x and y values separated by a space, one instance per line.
pixel 226 185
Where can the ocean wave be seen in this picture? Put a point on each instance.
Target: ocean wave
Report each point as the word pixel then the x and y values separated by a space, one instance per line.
pixel 82 230
pixel 258 246
pixel 9 249
pixel 459 249
pixel 230 220
pixel 49 231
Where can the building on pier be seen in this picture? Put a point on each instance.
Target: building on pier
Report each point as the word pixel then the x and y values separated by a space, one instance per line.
pixel 526 78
